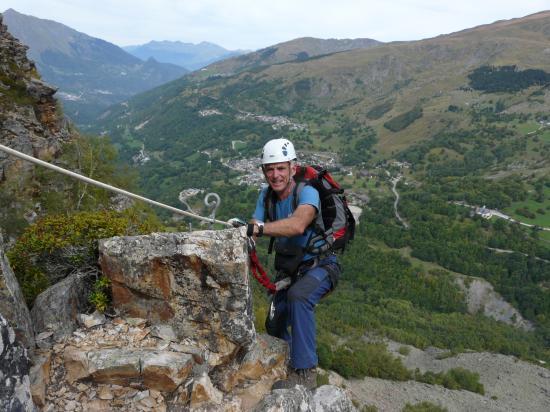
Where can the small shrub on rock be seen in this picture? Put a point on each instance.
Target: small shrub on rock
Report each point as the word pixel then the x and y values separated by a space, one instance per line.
pixel 56 246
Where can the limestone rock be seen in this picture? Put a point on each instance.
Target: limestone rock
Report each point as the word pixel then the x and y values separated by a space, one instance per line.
pixel 165 371
pixel 12 303
pixel 482 298
pixel 164 332
pixel 76 364
pixel 155 369
pixel 89 321
pixel 204 393
pixel 15 391
pixel 58 306
pixel 196 282
pixel 118 366
pixel 30 123
pixel 104 366
pixel 286 400
pixel 97 405
pixel 40 377
pixel 35 127
pixel 265 360
pixel 328 398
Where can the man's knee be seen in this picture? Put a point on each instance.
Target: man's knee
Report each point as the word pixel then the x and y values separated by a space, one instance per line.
pixel 301 290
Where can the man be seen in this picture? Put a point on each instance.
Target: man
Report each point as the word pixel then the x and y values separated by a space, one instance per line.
pixel 311 275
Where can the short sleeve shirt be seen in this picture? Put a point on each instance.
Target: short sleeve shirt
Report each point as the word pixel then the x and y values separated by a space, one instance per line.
pixel 284 209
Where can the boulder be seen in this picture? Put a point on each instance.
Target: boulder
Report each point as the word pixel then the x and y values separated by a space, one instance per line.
pixel 15 388
pixel 155 369
pixel 89 321
pixel 327 398
pixel 117 366
pixel 204 393
pixel 265 361
pixel 195 282
pixel 164 332
pixel 12 303
pixel 57 308
pixel 286 400
pixel 165 371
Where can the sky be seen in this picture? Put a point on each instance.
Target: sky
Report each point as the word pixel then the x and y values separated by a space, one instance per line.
pixel 254 24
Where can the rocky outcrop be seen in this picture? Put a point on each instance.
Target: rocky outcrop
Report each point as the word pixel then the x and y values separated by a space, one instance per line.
pixel 195 282
pixel 124 365
pixel 12 303
pixel 482 298
pixel 204 356
pixel 56 308
pixel 15 392
pixel 29 120
pixel 30 123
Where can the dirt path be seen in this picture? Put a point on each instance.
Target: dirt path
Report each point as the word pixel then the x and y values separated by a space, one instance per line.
pixel 396 202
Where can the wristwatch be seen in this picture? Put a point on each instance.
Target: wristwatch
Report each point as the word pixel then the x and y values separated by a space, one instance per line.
pixel 260 228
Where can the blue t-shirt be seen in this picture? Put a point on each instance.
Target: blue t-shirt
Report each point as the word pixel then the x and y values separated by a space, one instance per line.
pixel 284 209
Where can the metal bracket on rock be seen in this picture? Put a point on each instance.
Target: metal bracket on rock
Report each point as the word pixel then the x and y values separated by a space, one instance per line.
pixel 215 204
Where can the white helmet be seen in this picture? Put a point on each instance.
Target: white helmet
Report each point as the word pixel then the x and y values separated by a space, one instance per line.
pixel 278 150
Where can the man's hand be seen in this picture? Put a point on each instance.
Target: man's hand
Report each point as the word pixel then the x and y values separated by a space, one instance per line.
pixel 283 284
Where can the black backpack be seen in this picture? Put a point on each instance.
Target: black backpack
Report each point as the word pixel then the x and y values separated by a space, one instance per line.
pixel 335 224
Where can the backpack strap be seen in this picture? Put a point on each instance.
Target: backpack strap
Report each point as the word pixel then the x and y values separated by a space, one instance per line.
pixel 317 226
pixel 270 202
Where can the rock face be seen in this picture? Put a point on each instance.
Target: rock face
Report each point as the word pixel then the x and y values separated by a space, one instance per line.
pixel 15 391
pixel 29 120
pixel 29 123
pixel 56 308
pixel 12 304
pixel 482 298
pixel 195 282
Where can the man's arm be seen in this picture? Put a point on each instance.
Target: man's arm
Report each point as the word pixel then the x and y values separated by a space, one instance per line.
pixel 291 226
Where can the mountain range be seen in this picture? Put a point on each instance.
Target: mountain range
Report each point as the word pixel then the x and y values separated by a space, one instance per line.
pixel 332 91
pixel 91 74
pixel 188 55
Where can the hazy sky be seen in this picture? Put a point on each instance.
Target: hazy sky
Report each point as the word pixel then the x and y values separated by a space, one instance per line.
pixel 253 24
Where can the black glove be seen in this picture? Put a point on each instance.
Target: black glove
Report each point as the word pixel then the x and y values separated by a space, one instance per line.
pixel 236 222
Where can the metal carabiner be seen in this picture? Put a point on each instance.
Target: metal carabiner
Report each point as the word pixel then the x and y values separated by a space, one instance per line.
pixel 250 244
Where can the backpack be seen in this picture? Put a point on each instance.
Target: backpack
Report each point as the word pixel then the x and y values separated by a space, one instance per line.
pixel 335 224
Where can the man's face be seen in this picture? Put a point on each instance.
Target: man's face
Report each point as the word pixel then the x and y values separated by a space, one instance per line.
pixel 278 175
